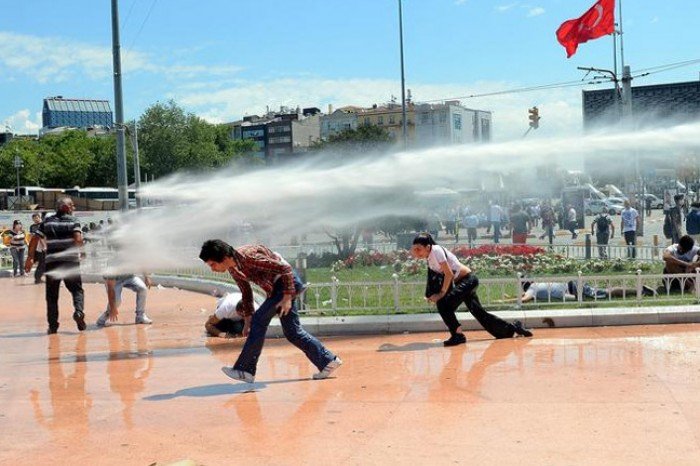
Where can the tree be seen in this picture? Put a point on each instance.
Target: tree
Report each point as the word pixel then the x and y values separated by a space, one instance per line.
pixel 364 139
pixel 171 140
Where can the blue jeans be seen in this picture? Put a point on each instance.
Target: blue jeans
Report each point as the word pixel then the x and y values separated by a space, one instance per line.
pixel 136 285
pixel 293 331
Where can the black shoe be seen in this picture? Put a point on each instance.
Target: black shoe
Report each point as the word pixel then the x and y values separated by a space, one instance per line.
pixel 455 339
pixel 520 330
pixel 52 330
pixel 79 319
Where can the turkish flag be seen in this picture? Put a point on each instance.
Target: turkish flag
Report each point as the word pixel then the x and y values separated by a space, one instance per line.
pixel 598 21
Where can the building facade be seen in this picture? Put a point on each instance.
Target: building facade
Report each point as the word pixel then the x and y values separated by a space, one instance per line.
pixel 76 113
pixel 653 106
pixel 450 123
pixel 342 119
pixel 280 135
pixel 390 117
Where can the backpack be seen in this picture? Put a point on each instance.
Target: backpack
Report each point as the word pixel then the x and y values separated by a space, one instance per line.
pixel 602 224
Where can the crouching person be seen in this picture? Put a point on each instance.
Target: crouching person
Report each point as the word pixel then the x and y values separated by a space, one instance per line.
pixel 228 320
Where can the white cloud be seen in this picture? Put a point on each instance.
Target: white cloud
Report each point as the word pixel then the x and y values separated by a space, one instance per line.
pixel 51 59
pixel 505 8
pixel 560 108
pixel 22 122
pixel 536 11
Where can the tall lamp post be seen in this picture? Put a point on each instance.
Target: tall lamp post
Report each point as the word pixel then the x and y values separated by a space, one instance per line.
pixel 119 110
pixel 18 164
pixel 403 80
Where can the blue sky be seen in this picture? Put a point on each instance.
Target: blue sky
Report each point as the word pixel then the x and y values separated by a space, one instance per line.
pixel 222 59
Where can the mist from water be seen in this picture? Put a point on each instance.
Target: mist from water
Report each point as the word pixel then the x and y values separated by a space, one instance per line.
pixel 291 199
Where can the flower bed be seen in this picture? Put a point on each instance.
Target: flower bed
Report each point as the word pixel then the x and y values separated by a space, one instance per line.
pixel 495 260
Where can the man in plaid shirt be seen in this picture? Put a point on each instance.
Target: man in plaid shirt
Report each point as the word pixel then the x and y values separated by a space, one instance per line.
pixel 257 264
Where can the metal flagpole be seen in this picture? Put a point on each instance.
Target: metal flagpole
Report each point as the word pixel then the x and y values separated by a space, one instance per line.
pixel 119 111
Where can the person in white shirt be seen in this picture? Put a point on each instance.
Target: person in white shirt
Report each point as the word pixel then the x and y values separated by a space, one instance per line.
pixel 496 219
pixel 629 224
pixel 227 321
pixel 680 258
pixel 451 283
pixel 571 222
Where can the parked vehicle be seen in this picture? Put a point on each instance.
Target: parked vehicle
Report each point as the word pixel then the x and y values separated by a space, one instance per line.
pixel 596 207
pixel 656 203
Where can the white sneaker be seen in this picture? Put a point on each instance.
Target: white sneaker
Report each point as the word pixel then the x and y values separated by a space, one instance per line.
pixel 235 374
pixel 143 319
pixel 102 320
pixel 328 370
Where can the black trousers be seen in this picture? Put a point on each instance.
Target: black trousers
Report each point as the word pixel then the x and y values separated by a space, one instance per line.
pixel 69 273
pixel 40 259
pixel 631 241
pixel 464 291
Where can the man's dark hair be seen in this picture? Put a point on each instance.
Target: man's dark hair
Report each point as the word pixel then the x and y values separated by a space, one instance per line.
pixel 215 250
pixel 678 197
pixel 686 243
pixel 526 285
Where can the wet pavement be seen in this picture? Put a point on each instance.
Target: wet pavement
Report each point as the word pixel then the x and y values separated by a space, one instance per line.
pixel 140 395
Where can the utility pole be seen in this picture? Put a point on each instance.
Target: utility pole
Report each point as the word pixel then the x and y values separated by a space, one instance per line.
pixel 403 81
pixel 137 165
pixel 18 164
pixel 119 111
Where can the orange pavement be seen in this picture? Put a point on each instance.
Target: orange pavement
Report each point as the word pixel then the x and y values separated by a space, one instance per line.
pixel 142 395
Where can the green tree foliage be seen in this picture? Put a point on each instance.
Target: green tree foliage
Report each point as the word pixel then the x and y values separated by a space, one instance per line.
pixel 364 139
pixel 169 140
pixel 172 140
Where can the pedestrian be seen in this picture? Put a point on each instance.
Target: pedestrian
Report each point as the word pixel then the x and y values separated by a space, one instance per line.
pixel 647 204
pixel 227 320
pixel 629 224
pixel 451 283
pixel 692 222
pixel 114 285
pixel 268 270
pixel 18 246
pixel 472 223
pixel 63 239
pixel 571 222
pixel 604 231
pixel 673 221
pixel 40 252
pixel 548 221
pixel 520 225
pixel 496 219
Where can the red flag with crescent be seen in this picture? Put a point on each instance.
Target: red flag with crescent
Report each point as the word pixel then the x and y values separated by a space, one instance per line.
pixel 598 21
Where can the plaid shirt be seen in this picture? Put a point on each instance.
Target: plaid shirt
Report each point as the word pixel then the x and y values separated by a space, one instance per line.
pixel 258 264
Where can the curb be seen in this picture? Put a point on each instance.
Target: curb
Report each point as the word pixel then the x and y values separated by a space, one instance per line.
pixel 431 322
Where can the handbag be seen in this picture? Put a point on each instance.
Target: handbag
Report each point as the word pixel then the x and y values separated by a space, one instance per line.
pixel 434 283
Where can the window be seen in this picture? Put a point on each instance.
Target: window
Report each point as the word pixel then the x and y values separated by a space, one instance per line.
pixel 391 119
pixel 457 121
pixel 443 117
pixel 367 121
pixel 380 120
pixel 279 140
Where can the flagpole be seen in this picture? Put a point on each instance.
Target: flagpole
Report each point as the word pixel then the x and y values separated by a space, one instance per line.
pixel 622 40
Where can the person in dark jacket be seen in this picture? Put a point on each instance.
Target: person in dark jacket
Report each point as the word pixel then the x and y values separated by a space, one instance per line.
pixel 63 240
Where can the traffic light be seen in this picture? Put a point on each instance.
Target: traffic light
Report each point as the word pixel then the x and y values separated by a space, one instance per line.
pixel 534 117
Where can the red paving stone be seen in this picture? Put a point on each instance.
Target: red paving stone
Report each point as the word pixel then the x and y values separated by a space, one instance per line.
pixel 144 394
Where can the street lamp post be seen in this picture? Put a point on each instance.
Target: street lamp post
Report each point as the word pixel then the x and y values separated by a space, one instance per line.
pixel 18 164
pixel 403 81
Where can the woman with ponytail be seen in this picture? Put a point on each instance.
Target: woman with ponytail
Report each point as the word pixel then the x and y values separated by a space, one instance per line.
pixel 451 283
